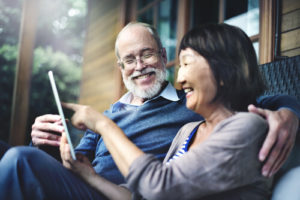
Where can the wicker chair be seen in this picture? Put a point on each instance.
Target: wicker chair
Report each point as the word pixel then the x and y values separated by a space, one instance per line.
pixel 283 77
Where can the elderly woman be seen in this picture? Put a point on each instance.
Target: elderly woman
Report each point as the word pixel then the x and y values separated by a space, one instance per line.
pixel 211 159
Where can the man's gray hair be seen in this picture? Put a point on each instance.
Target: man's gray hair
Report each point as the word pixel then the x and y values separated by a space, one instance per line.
pixel 151 30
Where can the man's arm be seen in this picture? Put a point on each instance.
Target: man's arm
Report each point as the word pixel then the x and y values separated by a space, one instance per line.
pixel 282 113
pixel 277 102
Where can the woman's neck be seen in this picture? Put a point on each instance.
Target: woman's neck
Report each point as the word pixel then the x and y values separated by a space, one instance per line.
pixel 212 116
pixel 216 115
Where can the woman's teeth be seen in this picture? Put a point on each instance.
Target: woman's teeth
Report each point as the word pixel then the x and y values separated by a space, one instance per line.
pixel 186 90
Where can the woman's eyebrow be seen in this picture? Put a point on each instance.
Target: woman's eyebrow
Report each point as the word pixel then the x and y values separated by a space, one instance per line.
pixel 187 55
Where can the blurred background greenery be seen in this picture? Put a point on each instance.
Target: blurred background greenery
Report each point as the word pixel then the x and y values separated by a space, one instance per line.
pixel 58 47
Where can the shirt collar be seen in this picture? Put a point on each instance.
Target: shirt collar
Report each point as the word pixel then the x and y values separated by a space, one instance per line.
pixel 168 93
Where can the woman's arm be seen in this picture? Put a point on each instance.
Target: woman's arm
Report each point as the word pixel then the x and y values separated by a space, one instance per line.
pixel 123 151
pixel 202 171
pixel 226 161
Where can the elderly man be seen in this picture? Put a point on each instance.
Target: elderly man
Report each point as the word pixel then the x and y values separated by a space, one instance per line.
pixel 150 114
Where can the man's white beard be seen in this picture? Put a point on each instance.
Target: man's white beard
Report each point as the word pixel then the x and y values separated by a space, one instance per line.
pixel 150 92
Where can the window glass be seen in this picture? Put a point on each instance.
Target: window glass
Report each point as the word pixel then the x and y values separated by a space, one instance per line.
pixel 166 26
pixel 146 17
pixel 204 12
pixel 244 14
pixel 170 72
pixel 256 48
pixel 143 3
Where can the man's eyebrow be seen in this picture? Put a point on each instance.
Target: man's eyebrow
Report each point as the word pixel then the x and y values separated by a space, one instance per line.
pixel 147 49
pixel 141 52
pixel 128 56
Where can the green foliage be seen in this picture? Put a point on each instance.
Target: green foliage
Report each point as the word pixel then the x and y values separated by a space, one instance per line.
pixel 10 14
pixel 66 72
pixel 67 77
pixel 63 26
pixel 58 45
pixel 8 56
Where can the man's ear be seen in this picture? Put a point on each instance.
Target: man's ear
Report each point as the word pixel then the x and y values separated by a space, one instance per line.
pixel 120 65
pixel 164 55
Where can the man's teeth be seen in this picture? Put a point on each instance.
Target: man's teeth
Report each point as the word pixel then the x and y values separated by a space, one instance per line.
pixel 142 76
pixel 188 90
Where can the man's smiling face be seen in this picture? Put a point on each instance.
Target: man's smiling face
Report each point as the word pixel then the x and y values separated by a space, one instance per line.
pixel 143 79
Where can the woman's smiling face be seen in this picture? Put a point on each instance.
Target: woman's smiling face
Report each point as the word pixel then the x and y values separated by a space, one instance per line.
pixel 197 80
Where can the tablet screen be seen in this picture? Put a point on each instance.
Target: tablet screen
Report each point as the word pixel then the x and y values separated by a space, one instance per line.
pixel 61 113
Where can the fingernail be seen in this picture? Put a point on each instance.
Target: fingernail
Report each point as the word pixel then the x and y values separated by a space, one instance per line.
pixel 265 173
pixel 261 157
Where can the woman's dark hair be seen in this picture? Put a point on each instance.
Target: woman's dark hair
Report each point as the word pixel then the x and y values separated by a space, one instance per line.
pixel 233 62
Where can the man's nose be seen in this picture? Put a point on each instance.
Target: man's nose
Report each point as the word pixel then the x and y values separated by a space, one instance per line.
pixel 139 64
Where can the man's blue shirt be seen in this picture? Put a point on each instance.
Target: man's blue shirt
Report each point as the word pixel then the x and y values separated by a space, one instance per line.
pixel 151 126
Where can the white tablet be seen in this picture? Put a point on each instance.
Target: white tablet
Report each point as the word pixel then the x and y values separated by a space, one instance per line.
pixel 61 113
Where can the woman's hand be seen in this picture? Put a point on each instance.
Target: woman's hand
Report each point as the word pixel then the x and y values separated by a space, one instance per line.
pixel 123 151
pixel 80 166
pixel 84 169
pixel 84 117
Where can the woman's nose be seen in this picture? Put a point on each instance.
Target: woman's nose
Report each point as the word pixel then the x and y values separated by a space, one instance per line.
pixel 180 76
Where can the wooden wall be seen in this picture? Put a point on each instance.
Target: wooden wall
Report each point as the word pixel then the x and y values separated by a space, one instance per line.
pixel 100 85
pixel 290 28
pixel 99 71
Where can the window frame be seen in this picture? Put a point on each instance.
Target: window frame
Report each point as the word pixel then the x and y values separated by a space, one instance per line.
pixel 265 37
pixel 266 34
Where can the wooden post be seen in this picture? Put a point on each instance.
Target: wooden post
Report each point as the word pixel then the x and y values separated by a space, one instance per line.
pixel 267 29
pixel 23 73
pixel 125 17
pixel 183 25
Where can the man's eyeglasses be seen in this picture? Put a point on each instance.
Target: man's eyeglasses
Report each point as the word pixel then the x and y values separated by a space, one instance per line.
pixel 147 57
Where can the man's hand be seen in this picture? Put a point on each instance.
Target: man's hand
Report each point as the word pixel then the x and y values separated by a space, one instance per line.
pixel 44 128
pixel 283 126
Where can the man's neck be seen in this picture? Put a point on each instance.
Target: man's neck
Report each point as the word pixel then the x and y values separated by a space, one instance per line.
pixel 140 101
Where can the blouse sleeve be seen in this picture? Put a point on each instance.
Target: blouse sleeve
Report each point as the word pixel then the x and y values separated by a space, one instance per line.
pixel 225 161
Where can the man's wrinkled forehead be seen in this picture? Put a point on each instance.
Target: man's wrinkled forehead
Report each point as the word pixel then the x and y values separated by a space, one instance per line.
pixel 134 39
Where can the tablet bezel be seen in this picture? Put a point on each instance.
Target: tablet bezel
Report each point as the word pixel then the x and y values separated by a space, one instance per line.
pixel 61 113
